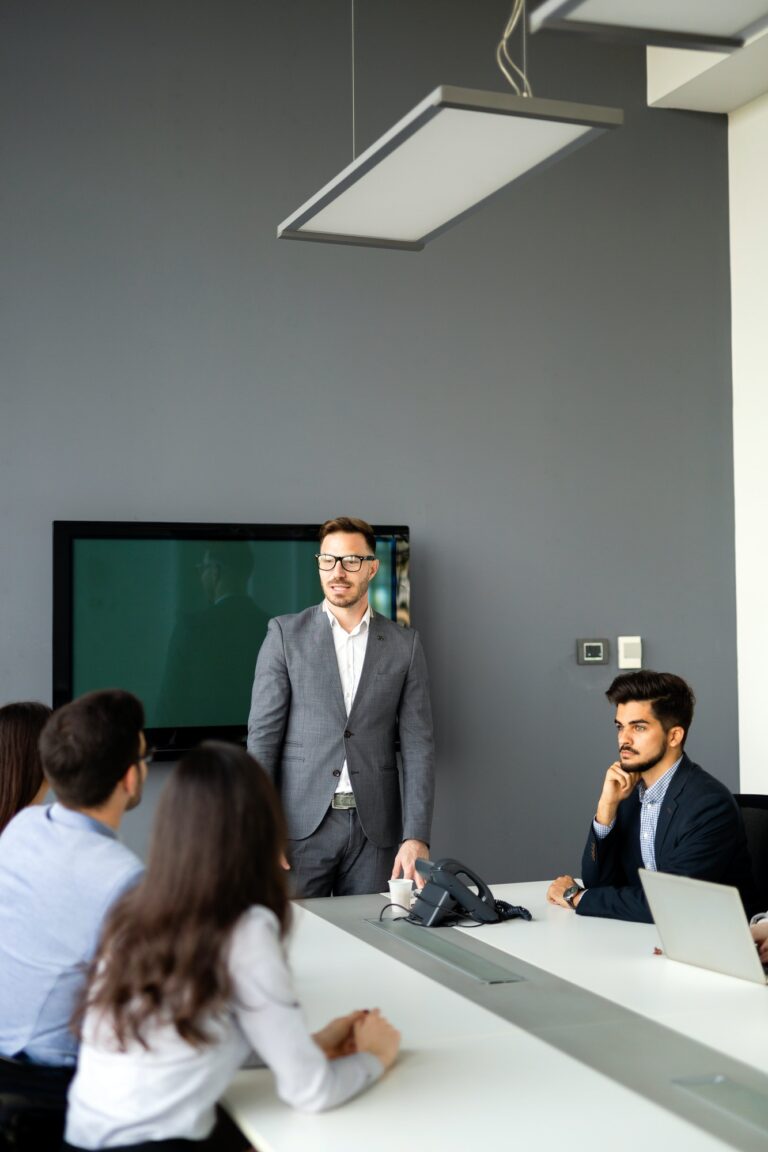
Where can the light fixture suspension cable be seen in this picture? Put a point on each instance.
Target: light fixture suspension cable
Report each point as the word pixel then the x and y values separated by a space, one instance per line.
pixel 516 76
pixel 354 134
pixel 525 47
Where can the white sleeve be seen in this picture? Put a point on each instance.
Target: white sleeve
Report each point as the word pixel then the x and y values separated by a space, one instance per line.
pixel 270 1017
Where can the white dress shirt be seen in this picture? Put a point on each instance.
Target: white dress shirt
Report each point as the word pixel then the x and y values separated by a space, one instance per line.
pixel 350 654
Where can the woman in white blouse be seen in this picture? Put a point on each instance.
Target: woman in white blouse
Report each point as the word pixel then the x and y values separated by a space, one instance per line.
pixel 191 978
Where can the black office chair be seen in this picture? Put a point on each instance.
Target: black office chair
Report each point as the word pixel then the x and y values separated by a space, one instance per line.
pixel 33 1101
pixel 754 810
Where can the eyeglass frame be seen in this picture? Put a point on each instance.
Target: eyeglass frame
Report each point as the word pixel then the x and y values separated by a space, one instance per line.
pixel 340 560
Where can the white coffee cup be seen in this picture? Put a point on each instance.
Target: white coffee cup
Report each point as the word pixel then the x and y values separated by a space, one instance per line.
pixel 400 893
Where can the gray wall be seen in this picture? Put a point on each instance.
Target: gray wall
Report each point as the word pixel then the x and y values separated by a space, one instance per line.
pixel 543 394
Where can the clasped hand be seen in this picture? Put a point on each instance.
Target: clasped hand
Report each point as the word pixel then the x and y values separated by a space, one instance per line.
pixel 360 1031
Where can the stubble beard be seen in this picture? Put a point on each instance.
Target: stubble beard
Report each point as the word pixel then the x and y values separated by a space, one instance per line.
pixel 644 765
pixel 347 598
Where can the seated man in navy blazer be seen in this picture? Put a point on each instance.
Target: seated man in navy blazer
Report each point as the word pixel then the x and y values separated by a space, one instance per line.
pixel 657 810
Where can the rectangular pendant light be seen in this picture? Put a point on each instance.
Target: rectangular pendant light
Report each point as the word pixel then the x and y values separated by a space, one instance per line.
pixel 446 157
pixel 720 25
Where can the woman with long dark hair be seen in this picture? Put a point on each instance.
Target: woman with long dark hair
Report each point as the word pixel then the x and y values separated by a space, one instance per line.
pixel 191 977
pixel 21 774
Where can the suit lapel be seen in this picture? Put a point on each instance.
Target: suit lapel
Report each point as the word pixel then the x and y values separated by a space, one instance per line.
pixel 327 669
pixel 374 650
pixel 670 805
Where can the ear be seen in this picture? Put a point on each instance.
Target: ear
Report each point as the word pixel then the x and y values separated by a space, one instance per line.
pixel 676 736
pixel 131 781
pixel 374 568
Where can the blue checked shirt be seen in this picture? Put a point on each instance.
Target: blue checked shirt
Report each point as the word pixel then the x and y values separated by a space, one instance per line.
pixel 651 800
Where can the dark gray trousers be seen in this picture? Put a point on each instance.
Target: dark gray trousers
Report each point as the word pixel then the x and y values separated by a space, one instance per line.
pixel 338 859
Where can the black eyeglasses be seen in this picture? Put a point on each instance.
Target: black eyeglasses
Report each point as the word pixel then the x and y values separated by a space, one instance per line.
pixel 326 562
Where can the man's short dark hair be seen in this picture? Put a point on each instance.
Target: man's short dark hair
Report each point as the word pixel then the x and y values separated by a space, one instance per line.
pixel 672 700
pixel 88 746
pixel 351 525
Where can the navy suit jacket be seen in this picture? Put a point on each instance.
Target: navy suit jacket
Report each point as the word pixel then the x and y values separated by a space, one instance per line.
pixel 700 833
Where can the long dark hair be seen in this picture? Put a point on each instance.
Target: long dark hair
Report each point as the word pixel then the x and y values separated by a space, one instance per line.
pixel 216 849
pixel 21 773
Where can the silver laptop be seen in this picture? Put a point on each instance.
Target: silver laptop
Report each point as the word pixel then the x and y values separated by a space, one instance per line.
pixel 703 924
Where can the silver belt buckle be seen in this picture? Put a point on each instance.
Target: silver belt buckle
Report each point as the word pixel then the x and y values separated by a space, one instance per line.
pixel 343 800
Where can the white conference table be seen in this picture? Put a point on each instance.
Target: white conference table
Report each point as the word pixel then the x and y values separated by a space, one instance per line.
pixel 616 960
pixel 468 1076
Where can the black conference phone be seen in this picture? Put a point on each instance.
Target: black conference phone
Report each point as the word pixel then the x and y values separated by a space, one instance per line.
pixel 445 898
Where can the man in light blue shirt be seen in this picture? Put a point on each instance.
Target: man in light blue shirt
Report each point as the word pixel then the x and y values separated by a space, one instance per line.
pixel 61 869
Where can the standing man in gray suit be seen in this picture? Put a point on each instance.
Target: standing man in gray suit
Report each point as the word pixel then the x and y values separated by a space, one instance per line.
pixel 335 686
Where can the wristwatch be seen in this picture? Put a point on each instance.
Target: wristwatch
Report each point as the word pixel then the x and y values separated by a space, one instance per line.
pixel 571 893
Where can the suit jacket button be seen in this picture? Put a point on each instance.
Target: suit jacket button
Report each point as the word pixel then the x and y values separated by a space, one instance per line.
pixel 337 772
pixel 347 734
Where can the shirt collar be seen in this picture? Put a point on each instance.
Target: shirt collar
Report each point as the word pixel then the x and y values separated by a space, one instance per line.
pixel 366 620
pixel 658 790
pixel 74 819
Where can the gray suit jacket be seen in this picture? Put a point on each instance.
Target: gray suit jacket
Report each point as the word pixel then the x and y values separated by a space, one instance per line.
pixel 299 731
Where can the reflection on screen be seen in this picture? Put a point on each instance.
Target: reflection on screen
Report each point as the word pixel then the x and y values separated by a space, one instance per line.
pixel 180 622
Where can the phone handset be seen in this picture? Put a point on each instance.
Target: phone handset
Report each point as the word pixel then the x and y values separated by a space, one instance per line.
pixel 484 893
pixel 445 897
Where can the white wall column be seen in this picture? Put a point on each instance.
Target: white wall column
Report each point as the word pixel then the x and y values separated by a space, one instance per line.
pixel 748 161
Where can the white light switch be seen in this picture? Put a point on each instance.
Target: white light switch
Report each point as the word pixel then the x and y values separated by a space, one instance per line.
pixel 630 651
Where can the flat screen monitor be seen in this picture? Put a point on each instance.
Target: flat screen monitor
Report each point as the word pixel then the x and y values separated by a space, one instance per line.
pixel 176 613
